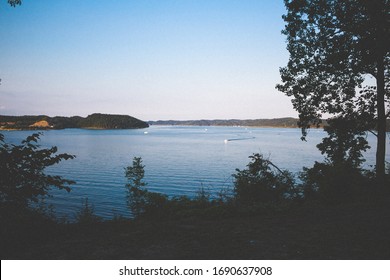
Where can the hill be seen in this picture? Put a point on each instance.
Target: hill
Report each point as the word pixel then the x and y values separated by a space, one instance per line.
pixel 95 121
pixel 104 121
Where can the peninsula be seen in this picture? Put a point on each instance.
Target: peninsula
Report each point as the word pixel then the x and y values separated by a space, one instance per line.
pixel 94 121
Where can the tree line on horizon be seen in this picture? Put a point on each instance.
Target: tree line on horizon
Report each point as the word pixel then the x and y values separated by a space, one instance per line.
pixel 275 122
pixel 108 121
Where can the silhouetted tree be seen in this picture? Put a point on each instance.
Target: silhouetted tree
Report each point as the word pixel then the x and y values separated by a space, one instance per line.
pixel 22 169
pixel 139 199
pixel 13 3
pixel 262 182
pixel 136 195
pixel 345 143
pixel 334 45
pixel 340 177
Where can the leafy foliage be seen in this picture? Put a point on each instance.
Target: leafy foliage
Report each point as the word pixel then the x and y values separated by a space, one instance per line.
pixel 345 143
pixel 340 177
pixel 262 182
pixel 338 182
pixel 333 46
pixel 22 171
pixel 14 3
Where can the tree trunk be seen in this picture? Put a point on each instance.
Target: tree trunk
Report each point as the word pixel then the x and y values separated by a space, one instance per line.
pixel 381 140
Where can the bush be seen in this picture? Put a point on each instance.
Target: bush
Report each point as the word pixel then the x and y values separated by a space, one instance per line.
pixel 86 215
pixel 333 182
pixel 154 205
pixel 263 182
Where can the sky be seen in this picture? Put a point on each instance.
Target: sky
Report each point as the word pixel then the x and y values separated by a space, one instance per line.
pixel 151 59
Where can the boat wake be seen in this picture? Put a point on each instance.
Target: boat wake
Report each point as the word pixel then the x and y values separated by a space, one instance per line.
pixel 238 139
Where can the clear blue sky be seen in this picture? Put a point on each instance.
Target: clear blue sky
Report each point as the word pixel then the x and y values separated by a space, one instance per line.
pixel 152 59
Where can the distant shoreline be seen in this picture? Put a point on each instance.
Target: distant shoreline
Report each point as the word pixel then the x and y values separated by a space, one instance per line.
pixel 276 122
pixel 107 122
pixel 252 126
pixel 93 121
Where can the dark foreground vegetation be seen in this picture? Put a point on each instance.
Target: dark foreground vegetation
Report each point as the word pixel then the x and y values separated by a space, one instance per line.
pixel 354 230
pixel 96 121
pixel 333 210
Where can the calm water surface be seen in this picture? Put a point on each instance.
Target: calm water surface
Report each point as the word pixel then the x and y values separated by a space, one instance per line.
pixel 178 160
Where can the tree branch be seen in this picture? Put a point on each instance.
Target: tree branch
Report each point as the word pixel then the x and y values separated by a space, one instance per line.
pixel 270 163
pixel 376 135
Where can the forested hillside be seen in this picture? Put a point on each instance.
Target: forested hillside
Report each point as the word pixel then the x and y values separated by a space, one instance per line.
pixel 278 122
pixel 281 122
pixel 96 121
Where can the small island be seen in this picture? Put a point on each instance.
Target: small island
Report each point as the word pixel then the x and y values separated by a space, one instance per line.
pixel 93 121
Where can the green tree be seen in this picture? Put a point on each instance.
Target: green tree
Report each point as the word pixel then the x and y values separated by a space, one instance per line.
pixel 22 167
pixel 334 46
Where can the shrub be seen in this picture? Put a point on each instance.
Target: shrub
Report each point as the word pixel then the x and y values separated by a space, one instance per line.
pixel 154 205
pixel 332 182
pixel 262 182
pixel 86 215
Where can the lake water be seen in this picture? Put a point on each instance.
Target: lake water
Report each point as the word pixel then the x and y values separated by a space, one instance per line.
pixel 178 160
